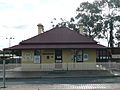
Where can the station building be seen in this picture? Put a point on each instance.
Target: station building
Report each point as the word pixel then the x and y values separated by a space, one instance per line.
pixel 58 45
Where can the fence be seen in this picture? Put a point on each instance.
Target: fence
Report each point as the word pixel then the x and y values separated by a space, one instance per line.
pixel 62 66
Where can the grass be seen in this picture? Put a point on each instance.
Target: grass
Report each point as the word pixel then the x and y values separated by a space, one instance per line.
pixel 3 87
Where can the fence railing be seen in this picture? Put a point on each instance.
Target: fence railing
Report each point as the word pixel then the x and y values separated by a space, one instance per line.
pixel 61 66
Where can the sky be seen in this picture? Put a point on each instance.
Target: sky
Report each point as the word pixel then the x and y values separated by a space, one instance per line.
pixel 19 18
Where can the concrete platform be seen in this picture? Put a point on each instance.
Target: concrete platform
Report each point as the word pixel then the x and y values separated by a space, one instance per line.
pixel 32 74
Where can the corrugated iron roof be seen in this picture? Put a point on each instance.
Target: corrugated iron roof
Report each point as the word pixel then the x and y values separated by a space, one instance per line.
pixel 59 35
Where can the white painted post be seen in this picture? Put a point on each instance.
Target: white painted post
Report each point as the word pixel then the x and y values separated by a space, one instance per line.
pixel 109 65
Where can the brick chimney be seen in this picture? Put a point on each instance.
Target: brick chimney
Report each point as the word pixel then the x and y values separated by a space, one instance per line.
pixel 40 28
pixel 81 28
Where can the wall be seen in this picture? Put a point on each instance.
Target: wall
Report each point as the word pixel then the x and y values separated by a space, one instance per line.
pixel 91 55
pixel 67 55
pixel 48 56
pixel 27 56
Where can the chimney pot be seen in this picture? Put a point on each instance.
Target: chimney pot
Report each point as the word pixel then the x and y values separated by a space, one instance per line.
pixel 40 28
pixel 81 28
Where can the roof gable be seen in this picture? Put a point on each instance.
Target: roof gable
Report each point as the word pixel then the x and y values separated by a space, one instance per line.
pixel 58 35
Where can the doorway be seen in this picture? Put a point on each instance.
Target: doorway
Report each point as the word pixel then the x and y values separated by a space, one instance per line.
pixel 58 59
pixel 58 55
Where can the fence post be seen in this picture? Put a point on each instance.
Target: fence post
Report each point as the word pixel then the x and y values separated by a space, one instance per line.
pixel 109 64
pixel 67 66
pixel 3 57
pixel 4 73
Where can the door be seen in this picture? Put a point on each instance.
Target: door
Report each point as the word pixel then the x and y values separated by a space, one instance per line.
pixel 58 59
pixel 58 56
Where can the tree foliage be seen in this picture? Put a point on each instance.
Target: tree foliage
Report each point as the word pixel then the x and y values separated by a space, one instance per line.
pixel 89 15
pixel 101 19
pixel 112 18
pixel 64 23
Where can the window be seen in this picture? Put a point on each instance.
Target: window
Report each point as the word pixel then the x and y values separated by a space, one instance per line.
pixel 37 52
pixel 85 56
pixel 51 56
pixel 37 56
pixel 28 56
pixel 79 55
pixel 48 57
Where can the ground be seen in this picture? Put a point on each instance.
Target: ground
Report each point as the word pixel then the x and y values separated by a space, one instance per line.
pixel 65 87
pixel 91 83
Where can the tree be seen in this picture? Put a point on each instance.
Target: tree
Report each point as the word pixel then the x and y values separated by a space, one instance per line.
pixel 117 35
pixel 64 23
pixel 111 18
pixel 89 15
pixel 100 19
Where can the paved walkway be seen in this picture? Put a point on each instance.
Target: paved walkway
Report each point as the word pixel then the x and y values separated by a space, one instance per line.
pixel 64 87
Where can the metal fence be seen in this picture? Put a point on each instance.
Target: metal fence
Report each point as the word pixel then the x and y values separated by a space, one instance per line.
pixel 61 66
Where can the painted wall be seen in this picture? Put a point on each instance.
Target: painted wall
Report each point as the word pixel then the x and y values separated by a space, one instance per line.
pixel 91 55
pixel 27 56
pixel 48 56
pixel 67 55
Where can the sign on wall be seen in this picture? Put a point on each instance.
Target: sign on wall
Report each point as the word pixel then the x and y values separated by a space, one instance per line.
pixel 36 59
pixel 28 56
pixel 85 56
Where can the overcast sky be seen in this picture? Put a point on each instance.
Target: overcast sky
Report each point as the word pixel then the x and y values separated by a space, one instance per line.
pixel 19 18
